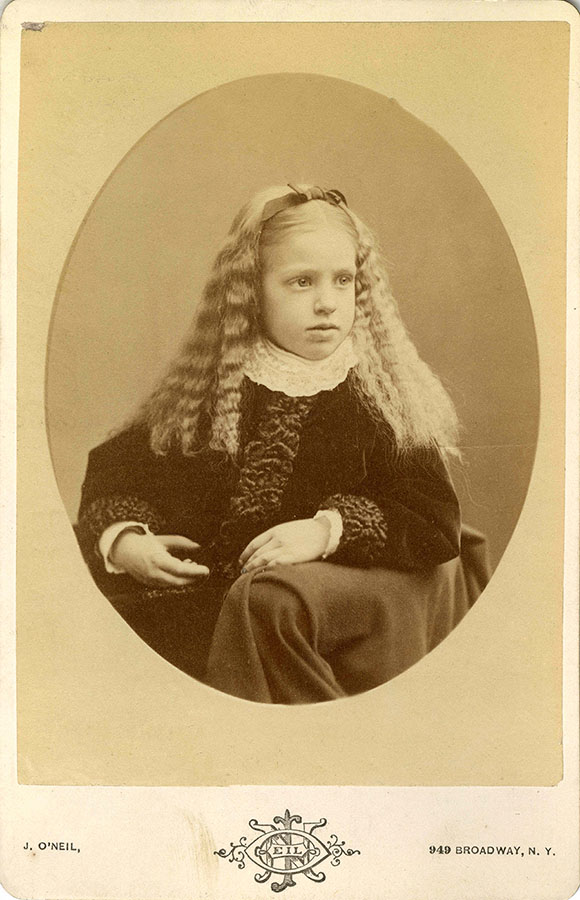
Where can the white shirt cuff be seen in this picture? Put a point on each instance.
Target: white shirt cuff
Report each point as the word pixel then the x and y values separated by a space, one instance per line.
pixel 334 519
pixel 108 538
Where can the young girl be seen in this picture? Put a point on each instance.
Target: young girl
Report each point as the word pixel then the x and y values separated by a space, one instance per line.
pixel 276 519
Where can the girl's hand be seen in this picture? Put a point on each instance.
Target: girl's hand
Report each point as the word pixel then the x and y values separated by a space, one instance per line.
pixel 146 557
pixel 291 542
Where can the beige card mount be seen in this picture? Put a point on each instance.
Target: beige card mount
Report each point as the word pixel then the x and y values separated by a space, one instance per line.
pixel 131 135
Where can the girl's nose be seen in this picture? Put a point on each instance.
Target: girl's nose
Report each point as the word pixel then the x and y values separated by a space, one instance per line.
pixel 325 302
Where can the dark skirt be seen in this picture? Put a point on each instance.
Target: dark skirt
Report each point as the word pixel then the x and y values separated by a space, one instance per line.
pixel 309 632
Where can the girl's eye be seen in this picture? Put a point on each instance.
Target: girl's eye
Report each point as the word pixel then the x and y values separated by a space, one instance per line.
pixel 302 281
pixel 344 279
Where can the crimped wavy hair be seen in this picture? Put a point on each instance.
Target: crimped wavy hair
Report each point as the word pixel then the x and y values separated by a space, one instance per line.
pixel 198 402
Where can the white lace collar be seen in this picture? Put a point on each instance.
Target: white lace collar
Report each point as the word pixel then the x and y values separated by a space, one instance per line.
pixel 280 370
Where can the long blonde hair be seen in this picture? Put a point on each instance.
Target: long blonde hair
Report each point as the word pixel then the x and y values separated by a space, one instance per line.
pixel 198 401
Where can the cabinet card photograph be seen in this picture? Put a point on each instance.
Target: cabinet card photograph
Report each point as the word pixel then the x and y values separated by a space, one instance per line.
pixel 289 449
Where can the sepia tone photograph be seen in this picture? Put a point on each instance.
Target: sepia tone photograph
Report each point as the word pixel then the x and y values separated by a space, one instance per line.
pixel 289 591
pixel 314 491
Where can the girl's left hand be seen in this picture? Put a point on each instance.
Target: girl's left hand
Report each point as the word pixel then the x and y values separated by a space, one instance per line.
pixel 291 542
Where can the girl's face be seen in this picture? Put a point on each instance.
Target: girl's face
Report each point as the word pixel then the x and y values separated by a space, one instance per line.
pixel 308 290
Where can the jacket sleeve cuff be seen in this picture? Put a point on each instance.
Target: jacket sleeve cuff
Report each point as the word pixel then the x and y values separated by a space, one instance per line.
pixel 334 519
pixel 364 530
pixel 99 515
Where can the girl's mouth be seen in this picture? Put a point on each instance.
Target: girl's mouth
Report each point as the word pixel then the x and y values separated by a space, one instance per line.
pixel 323 328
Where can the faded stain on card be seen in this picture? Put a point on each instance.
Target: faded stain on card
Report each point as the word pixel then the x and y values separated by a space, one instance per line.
pixel 200 853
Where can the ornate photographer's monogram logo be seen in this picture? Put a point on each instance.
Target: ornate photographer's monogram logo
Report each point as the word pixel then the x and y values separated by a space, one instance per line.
pixel 287 847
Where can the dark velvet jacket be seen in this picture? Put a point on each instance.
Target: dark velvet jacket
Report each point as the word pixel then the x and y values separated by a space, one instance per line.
pixel 298 455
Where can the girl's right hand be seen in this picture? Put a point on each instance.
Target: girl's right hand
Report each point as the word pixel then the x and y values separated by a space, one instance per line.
pixel 146 557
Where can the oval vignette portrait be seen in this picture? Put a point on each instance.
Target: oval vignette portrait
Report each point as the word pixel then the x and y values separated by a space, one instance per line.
pixel 311 431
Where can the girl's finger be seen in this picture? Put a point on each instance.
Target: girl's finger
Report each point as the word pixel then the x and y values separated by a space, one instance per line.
pixel 169 564
pixel 193 569
pixel 256 559
pixel 164 578
pixel 187 568
pixel 177 541
pixel 262 557
pixel 197 568
pixel 283 560
pixel 255 545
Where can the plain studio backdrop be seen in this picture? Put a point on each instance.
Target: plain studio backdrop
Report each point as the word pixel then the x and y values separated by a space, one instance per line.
pixel 143 253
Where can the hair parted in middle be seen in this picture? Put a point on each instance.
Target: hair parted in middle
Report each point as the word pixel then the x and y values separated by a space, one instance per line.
pixel 198 402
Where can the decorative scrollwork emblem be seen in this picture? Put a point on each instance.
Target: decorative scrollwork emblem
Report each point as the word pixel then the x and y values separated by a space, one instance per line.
pixel 286 847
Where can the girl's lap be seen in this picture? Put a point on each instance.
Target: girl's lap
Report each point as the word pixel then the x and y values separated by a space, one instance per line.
pixel 337 605
pixel 326 589
pixel 318 631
